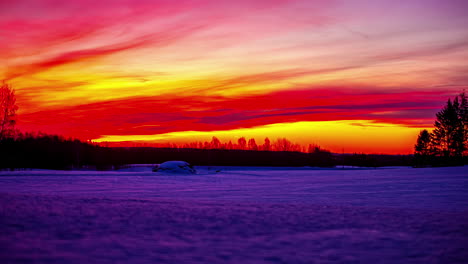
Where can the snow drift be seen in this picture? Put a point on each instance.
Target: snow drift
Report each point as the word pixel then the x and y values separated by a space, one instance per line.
pixel 175 166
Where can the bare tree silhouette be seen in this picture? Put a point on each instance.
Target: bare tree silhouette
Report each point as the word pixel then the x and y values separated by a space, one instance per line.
pixel 282 144
pixel 242 143
pixel 252 144
pixel 7 111
pixel 215 143
pixel 267 144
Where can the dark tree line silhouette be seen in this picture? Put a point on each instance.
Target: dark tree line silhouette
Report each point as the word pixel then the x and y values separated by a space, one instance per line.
pixel 280 144
pixel 447 144
pixel 38 150
pixel 55 152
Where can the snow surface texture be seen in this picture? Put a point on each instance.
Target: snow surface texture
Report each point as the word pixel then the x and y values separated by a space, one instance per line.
pixel 238 215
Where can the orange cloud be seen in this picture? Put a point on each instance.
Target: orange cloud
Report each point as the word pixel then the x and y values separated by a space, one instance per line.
pixel 94 69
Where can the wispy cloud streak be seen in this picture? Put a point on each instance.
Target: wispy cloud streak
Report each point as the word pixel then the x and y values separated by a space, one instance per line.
pixel 158 66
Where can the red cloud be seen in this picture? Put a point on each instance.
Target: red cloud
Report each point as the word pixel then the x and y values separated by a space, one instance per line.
pixel 154 115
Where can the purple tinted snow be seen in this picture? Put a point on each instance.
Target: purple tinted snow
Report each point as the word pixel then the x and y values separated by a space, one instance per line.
pixel 239 215
pixel 57 229
pixel 436 188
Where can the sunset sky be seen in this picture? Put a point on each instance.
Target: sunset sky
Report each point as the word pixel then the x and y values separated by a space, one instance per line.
pixel 352 75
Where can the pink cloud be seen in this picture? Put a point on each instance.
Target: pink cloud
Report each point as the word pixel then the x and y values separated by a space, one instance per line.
pixel 53 32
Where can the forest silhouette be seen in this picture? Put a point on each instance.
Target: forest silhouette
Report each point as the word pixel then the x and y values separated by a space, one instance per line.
pixel 446 145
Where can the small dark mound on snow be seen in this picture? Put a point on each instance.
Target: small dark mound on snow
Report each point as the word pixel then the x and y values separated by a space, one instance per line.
pixel 175 166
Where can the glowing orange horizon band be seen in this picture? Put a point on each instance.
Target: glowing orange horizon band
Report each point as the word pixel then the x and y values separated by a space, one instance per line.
pixel 332 135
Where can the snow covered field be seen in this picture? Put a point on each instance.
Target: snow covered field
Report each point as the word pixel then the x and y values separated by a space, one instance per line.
pixel 235 215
